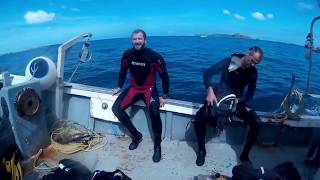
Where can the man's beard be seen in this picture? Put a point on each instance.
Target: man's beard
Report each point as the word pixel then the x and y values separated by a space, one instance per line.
pixel 139 47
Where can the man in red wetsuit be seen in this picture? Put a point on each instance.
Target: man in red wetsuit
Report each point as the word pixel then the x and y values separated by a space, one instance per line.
pixel 143 64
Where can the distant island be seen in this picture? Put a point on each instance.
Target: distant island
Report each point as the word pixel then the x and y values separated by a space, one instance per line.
pixel 237 35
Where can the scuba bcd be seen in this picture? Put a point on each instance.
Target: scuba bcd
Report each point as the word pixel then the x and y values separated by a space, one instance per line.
pixel 221 113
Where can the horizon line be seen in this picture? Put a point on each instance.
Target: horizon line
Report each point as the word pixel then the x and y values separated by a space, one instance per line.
pixel 195 35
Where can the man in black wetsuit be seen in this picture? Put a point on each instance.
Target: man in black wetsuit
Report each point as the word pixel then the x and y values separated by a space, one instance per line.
pixel 237 72
pixel 143 64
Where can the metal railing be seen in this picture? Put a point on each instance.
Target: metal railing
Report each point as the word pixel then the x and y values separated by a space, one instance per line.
pixel 310 48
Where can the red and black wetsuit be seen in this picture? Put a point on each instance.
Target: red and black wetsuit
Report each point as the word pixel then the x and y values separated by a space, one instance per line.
pixel 144 66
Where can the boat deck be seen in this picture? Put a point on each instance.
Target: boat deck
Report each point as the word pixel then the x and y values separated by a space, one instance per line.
pixel 178 159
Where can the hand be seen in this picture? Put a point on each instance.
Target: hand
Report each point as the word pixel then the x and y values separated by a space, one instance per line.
pixel 162 101
pixel 211 97
pixel 116 91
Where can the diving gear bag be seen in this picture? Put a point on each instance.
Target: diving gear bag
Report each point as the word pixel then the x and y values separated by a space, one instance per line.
pixel 221 113
pixel 115 175
pixel 283 171
pixel 227 105
pixel 69 169
pixel 11 164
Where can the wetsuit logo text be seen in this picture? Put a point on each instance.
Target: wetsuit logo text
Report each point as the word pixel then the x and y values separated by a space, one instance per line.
pixel 138 63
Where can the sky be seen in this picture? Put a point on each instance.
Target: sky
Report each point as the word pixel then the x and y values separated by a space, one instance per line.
pixel 33 23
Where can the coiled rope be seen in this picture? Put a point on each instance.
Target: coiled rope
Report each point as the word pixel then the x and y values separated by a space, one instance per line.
pixel 63 136
pixel 65 139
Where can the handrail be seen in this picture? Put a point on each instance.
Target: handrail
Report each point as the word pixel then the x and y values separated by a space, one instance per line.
pixel 62 51
pixel 310 46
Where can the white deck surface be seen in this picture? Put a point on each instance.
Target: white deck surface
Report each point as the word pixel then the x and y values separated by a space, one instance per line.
pixel 178 159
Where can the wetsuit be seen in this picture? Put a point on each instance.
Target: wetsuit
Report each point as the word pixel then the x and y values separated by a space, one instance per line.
pixel 143 65
pixel 231 82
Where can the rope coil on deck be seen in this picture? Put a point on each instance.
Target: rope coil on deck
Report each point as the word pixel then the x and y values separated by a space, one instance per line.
pixel 67 137
pixel 70 137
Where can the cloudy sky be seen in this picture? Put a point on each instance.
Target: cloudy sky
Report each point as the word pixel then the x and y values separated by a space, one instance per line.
pixel 32 23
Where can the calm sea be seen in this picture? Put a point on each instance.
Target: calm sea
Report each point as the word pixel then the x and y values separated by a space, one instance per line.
pixel 186 58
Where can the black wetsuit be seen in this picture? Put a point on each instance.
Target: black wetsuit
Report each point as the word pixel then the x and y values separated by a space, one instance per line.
pixel 143 66
pixel 231 82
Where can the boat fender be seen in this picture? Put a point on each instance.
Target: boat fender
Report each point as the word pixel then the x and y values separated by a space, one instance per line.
pixel 43 69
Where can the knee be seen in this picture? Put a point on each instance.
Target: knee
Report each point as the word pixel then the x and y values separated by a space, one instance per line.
pixel 255 122
pixel 253 117
pixel 200 116
pixel 257 126
pixel 115 108
pixel 154 107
